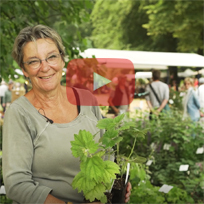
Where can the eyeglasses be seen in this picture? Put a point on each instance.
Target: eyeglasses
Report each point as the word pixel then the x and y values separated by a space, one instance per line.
pixel 53 59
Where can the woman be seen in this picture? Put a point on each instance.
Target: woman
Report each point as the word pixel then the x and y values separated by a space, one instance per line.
pixel 38 166
pixel 190 101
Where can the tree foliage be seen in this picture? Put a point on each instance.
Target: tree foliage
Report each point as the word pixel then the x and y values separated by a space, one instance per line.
pixel 151 25
pixel 183 19
pixel 64 16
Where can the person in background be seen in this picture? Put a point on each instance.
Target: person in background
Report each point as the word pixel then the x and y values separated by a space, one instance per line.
pixel 196 83
pixel 190 101
pixel 200 92
pixel 162 91
pixel 3 89
pixel 8 94
pixel 119 98
pixel 38 166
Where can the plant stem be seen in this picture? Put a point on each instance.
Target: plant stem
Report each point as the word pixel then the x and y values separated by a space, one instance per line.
pixel 117 149
pixel 96 134
pixel 132 148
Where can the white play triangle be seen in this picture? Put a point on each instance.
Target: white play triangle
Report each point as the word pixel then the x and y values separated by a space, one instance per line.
pixel 99 81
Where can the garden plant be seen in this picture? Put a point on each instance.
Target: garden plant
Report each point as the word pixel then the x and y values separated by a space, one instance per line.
pixel 97 175
pixel 169 143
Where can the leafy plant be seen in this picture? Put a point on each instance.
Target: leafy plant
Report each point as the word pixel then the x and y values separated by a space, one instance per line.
pixel 115 133
pixel 97 175
pixel 183 138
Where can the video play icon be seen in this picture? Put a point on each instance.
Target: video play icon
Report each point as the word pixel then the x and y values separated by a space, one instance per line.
pixel 98 79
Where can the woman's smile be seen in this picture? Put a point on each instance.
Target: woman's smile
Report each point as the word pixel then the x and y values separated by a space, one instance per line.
pixel 47 77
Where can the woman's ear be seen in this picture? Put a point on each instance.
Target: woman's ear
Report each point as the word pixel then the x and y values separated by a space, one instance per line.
pixel 24 72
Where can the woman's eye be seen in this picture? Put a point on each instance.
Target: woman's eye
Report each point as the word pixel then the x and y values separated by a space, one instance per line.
pixel 33 62
pixel 52 57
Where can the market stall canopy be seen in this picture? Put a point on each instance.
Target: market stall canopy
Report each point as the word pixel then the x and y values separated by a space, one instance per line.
pixel 149 60
pixel 187 73
pixel 201 72
pixel 147 75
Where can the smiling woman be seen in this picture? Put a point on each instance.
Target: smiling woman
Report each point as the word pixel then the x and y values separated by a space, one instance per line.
pixel 38 166
pixel 43 64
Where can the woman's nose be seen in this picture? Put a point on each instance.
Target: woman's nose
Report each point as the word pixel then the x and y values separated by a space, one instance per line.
pixel 44 66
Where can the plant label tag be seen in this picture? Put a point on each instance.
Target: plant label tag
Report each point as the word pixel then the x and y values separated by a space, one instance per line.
pixel 165 188
pixel 2 190
pixel 184 167
pixel 166 146
pixel 149 162
pixel 200 150
pixel 153 146
pixel 128 169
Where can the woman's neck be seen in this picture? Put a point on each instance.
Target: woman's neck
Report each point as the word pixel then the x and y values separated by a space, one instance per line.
pixel 49 99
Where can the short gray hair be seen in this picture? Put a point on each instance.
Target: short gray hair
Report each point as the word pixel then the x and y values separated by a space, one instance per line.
pixel 31 34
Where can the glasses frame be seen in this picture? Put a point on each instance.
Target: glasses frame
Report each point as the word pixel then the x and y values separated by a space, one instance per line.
pixel 41 61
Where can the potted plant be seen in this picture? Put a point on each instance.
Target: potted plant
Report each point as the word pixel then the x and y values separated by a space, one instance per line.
pixel 98 175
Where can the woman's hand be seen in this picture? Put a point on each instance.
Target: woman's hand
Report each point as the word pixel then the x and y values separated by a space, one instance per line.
pixel 128 192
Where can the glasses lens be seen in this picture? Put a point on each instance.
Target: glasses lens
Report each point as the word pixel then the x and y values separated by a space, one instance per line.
pixel 53 59
pixel 34 64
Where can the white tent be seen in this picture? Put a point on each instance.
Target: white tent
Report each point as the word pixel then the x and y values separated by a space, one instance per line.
pixel 201 71
pixel 187 73
pixel 149 60
pixel 147 75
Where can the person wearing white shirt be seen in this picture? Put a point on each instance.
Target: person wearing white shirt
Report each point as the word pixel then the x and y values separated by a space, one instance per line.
pixel 201 95
pixel 3 89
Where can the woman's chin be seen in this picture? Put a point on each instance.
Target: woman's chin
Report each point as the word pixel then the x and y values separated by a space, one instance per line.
pixel 48 88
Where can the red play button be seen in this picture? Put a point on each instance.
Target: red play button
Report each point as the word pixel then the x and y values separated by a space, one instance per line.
pixel 103 78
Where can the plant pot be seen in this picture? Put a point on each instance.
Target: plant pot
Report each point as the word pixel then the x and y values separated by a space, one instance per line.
pixel 119 189
pixel 109 197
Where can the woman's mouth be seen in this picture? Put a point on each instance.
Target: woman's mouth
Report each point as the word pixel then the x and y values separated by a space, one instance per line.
pixel 46 77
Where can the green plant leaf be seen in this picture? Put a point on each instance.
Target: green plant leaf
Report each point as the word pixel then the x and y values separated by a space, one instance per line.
pixel 83 144
pixel 81 182
pixel 117 140
pixel 97 192
pixel 127 126
pixel 119 118
pixel 108 142
pixel 106 123
pixel 108 138
pixel 93 168
pixel 139 159
pixel 110 133
pixel 99 154
pixel 110 170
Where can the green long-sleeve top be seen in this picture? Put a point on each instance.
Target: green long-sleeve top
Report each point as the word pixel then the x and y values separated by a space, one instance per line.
pixel 37 158
pixel 7 97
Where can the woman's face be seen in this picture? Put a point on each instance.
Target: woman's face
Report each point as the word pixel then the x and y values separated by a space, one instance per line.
pixel 46 77
pixel 188 85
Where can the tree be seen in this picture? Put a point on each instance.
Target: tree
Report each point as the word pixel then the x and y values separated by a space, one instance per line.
pixel 151 25
pixel 64 16
pixel 106 19
pixel 182 19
